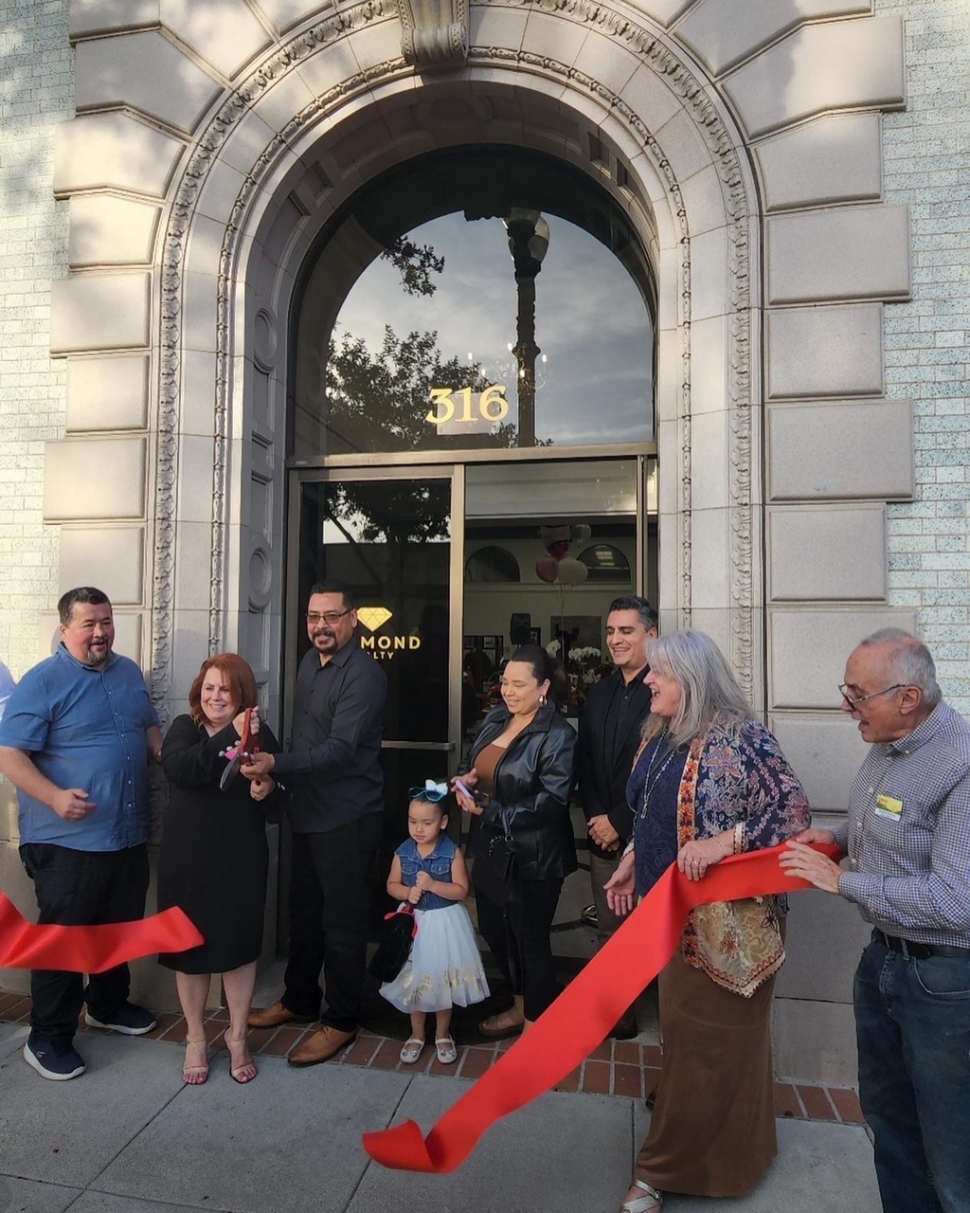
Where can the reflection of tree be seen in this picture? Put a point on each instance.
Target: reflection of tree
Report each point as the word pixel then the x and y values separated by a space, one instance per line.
pixel 379 401
pixel 415 263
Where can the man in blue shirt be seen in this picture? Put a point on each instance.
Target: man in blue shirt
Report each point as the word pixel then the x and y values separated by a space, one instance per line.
pixel 75 740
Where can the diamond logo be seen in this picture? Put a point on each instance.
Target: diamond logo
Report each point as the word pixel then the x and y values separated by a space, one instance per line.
pixel 374 617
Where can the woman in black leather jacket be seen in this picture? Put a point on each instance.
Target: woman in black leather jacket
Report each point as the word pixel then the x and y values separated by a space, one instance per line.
pixel 522 765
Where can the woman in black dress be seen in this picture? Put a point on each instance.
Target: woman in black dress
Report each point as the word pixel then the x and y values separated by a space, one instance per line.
pixel 214 858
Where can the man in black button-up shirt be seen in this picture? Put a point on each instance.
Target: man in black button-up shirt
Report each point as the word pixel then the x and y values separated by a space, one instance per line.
pixel 609 736
pixel 338 799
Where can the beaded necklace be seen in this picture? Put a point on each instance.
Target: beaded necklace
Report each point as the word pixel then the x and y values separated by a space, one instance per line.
pixel 650 783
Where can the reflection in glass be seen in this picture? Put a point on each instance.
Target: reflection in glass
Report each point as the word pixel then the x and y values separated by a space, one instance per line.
pixel 518 318
pixel 389 541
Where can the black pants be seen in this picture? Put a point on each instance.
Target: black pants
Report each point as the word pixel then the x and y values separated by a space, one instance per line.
pixel 82 888
pixel 329 908
pixel 518 936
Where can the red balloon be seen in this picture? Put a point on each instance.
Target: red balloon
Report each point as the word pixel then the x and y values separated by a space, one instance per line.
pixel 558 548
pixel 547 569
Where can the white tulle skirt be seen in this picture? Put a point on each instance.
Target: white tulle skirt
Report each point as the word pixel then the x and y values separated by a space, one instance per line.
pixel 444 968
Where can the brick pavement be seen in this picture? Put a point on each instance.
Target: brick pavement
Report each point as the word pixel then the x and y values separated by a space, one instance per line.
pixel 617 1067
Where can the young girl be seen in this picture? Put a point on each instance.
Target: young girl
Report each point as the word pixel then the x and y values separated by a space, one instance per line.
pixel 444 967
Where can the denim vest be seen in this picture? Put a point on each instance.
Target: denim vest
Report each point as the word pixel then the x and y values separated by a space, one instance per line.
pixel 437 865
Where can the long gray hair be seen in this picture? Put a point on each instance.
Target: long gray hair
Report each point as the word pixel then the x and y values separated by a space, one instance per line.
pixel 707 685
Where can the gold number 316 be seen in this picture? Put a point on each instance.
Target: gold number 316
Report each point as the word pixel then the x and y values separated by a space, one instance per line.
pixel 491 404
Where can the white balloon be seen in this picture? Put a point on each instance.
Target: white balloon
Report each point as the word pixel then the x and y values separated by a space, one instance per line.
pixel 572 572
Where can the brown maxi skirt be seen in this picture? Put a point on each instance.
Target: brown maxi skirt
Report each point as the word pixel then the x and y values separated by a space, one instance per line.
pixel 713 1127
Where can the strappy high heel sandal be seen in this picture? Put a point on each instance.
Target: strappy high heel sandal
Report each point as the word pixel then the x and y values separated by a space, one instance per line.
pixel 643 1204
pixel 195 1076
pixel 246 1070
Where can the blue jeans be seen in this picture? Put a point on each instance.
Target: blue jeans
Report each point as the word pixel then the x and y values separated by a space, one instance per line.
pixel 913 1032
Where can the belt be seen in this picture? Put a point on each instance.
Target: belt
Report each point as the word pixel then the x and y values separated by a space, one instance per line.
pixel 917 951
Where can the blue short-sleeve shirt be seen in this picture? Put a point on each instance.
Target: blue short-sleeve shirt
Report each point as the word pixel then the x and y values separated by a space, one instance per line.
pixel 84 728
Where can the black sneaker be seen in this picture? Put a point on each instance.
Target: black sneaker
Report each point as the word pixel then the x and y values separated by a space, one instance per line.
pixel 55 1059
pixel 129 1019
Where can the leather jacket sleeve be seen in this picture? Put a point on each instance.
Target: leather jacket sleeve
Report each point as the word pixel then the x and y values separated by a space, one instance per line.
pixel 540 793
pixel 531 796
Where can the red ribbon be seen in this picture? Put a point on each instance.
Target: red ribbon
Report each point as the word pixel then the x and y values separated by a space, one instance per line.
pixel 583 1015
pixel 24 945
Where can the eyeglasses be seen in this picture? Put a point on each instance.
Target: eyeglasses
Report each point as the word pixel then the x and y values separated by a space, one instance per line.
pixel 330 617
pixel 431 791
pixel 854 703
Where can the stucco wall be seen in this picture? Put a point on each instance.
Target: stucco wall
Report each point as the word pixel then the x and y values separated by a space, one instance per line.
pixel 925 165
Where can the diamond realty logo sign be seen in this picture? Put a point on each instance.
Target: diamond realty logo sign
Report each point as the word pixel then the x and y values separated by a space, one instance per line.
pixel 383 647
pixel 374 617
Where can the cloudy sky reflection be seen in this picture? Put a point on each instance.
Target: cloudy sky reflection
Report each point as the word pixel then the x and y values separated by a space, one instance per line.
pixel 594 385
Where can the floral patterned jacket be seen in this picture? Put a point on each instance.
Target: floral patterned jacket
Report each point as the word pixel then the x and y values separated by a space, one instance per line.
pixel 736 774
pixel 741 776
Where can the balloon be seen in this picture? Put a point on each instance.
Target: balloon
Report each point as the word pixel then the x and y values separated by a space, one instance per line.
pixel 582 532
pixel 572 572
pixel 558 548
pixel 547 568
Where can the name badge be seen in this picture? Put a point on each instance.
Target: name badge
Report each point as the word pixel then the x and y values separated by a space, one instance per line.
pixel 889 807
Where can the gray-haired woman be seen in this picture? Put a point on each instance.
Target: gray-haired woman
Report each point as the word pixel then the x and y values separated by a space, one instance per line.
pixel 710 781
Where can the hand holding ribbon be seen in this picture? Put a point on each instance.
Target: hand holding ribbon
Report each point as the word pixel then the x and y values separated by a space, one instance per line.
pixel 582 1016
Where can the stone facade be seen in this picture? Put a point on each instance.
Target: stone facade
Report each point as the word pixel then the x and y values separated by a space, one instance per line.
pixel 793 171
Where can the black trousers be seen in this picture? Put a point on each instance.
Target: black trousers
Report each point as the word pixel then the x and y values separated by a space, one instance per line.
pixel 82 888
pixel 518 936
pixel 329 909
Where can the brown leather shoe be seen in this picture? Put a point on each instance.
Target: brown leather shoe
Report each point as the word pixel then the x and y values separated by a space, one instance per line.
pixel 272 1017
pixel 326 1042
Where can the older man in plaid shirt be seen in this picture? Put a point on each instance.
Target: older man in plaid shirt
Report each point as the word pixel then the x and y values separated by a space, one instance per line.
pixel 907 838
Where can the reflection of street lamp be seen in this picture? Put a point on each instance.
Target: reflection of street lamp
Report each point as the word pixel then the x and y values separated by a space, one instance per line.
pixel 528 243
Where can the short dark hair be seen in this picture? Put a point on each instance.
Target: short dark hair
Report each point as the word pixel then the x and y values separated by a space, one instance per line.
pixel 335 587
pixel 633 602
pixel 81 593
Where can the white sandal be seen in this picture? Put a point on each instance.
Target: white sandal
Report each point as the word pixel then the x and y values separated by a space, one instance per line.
pixel 643 1204
pixel 412 1050
pixel 447 1053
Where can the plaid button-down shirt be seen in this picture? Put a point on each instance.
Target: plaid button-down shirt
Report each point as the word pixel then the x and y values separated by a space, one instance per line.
pixel 908 834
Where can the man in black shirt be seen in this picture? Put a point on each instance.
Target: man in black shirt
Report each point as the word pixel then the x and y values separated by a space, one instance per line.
pixel 609 734
pixel 338 799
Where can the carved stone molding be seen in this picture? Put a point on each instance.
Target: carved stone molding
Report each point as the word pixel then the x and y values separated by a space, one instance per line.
pixel 654 51
pixel 434 33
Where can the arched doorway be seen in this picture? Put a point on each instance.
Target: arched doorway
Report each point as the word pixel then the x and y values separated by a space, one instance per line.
pixel 473 366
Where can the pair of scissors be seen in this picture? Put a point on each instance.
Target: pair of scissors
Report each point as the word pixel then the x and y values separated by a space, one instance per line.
pixel 248 745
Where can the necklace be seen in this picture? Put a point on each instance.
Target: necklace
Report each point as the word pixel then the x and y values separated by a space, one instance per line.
pixel 650 783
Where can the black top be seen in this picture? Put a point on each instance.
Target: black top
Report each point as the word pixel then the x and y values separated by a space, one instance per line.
pixel 333 762
pixel 532 785
pixel 609 736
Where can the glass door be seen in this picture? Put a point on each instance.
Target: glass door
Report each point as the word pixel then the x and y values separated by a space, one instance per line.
pixel 388 533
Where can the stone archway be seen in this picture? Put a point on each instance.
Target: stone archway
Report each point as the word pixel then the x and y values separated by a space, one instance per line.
pixel 704 124
pixel 745 143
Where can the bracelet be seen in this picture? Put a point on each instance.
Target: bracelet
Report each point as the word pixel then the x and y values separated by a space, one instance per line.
pixel 738 838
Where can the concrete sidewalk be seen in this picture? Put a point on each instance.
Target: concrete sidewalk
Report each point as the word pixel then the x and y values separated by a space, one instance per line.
pixel 127 1137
